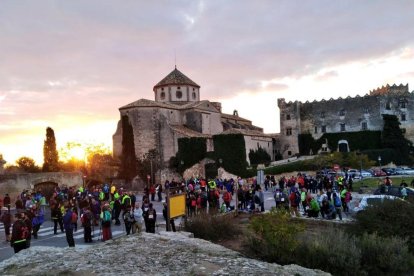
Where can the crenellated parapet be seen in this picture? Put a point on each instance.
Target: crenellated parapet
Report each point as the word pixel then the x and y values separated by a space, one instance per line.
pixel 388 89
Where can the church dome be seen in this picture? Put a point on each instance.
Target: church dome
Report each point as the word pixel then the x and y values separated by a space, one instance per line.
pixel 177 88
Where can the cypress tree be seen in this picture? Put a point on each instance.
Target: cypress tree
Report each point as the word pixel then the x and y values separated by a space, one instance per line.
pixel 128 168
pixel 50 153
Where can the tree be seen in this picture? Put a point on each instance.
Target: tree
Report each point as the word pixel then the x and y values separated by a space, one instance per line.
pixel 259 156
pixel 148 165
pixel 393 137
pixel 128 169
pixel 27 164
pixel 50 153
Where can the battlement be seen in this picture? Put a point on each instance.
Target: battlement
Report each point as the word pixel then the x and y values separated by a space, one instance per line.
pixel 389 89
pixel 380 91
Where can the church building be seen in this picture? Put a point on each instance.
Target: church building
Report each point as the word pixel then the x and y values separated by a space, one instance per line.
pixel 177 111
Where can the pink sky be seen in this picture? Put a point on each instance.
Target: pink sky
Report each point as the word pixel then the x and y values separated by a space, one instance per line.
pixel 71 64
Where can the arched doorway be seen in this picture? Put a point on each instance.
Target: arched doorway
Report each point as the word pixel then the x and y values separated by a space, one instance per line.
pixel 47 188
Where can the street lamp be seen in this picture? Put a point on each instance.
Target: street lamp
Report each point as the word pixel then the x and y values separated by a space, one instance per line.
pixel 379 161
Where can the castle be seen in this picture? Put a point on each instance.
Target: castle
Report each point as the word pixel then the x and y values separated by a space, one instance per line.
pixel 178 112
pixel 344 115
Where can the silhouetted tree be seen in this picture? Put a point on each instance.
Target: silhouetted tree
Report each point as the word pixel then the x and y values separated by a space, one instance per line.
pixel 27 164
pixel 128 169
pixel 259 156
pixel 50 153
pixel 393 138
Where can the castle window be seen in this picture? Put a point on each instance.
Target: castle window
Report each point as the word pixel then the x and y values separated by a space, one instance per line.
pixel 402 104
pixel 342 112
pixel 178 88
pixel 323 129
pixel 162 95
pixel 194 95
pixel 289 153
pixel 342 127
pixel 388 106
pixel 179 94
pixel 322 114
pixel 364 126
pixel 287 116
pixel 403 117
pixel 316 129
pixel 289 131
pixel 366 110
pixel 193 89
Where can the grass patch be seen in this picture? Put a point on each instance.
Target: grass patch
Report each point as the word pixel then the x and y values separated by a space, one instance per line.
pixel 374 182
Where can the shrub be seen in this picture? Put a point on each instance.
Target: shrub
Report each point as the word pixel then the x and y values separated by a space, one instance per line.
pixel 385 255
pixel 335 251
pixel 274 237
pixel 212 227
pixel 390 218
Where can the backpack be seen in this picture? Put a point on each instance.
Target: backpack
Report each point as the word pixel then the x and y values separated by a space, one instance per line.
pixel 106 216
pixel 106 189
pixel 297 198
pixel 348 195
pixel 337 201
pixel 74 218
pixel 127 201
pixel 86 219
pixel 193 203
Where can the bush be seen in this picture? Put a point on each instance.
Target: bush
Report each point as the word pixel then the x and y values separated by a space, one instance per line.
pixel 390 218
pixel 334 251
pixel 213 227
pixel 382 256
pixel 274 237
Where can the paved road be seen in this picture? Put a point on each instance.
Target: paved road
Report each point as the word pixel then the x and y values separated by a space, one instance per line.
pixel 46 237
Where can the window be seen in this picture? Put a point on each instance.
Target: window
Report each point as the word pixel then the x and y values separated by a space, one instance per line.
pixel 178 88
pixel 364 126
pixel 342 127
pixel 289 153
pixel 289 131
pixel 342 112
pixel 403 117
pixel 194 96
pixel 388 106
pixel 323 129
pixel 323 114
pixel 162 95
pixel 287 116
pixel 402 104
pixel 162 88
pixel 316 129
pixel 366 110
pixel 179 94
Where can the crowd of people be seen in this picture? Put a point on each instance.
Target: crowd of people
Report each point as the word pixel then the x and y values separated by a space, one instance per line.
pixel 107 205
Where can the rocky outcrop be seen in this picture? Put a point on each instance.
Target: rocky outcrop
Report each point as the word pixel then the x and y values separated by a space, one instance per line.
pixel 145 254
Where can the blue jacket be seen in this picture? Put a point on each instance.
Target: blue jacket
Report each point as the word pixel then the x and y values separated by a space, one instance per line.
pixel 67 220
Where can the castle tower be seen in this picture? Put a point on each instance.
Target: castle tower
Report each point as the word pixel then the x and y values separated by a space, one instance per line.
pixel 177 88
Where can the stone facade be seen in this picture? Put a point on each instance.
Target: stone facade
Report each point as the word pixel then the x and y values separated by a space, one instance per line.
pixel 178 112
pixel 344 115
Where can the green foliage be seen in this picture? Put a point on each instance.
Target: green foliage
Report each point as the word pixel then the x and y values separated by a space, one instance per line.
pixel 387 156
pixel 385 256
pixel 390 218
pixel 359 140
pixel 393 137
pixel 274 237
pixel 50 153
pixel 27 164
pixel 334 251
pixel 212 227
pixel 259 156
pixel 231 148
pixel 190 151
pixel 128 169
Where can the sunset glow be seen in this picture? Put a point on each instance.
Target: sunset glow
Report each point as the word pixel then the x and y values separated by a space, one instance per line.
pixel 70 65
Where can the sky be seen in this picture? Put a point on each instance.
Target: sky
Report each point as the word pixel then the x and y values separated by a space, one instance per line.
pixel 71 64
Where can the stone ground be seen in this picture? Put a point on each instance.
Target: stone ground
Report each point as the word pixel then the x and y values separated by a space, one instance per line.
pixel 165 253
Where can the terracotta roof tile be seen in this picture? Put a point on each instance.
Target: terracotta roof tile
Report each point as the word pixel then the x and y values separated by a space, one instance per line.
pixel 176 78
pixel 188 132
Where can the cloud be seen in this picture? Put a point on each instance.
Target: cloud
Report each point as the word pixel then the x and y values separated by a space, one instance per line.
pixel 326 75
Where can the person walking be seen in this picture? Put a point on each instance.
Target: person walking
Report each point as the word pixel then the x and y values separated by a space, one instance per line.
pixel 6 219
pixel 68 225
pixel 138 214
pixel 106 223
pixel 151 219
pixel 57 216
pixel 20 233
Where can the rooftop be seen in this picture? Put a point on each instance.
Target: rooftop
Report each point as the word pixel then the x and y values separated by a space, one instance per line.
pixel 176 78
